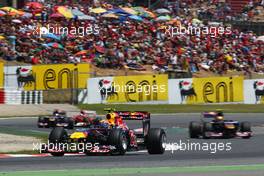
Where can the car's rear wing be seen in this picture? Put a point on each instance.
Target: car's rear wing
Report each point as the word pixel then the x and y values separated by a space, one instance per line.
pixel 109 109
pixel 136 115
pixel 130 115
pixel 209 114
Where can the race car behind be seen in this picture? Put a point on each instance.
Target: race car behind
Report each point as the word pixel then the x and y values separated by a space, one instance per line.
pixel 218 127
pixel 57 119
pixel 84 118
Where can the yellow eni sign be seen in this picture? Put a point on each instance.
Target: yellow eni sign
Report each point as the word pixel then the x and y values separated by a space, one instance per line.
pixel 140 88
pixel 217 89
pixel 1 74
pixel 59 76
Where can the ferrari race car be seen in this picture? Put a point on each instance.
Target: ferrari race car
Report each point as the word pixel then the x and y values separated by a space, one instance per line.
pixel 218 127
pixel 109 136
pixel 57 119
pixel 84 118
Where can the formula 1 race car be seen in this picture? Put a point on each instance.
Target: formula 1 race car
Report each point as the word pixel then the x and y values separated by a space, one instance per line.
pixel 57 119
pixel 218 127
pixel 109 136
pixel 84 118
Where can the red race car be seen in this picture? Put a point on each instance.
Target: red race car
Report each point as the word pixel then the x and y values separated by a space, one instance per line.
pixel 84 118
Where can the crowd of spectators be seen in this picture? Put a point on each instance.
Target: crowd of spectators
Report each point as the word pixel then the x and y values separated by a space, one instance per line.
pixel 126 42
pixel 219 10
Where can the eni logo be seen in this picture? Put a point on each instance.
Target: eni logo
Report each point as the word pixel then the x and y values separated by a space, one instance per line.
pixel 145 90
pixel 64 78
pixel 221 91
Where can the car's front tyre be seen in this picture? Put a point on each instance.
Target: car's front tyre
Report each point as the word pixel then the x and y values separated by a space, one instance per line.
pixel 57 138
pixel 245 127
pixel 156 141
pixel 207 127
pixel 195 129
pixel 118 139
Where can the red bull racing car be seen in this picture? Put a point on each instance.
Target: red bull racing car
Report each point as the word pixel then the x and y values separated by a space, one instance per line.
pixel 57 119
pixel 218 127
pixel 110 135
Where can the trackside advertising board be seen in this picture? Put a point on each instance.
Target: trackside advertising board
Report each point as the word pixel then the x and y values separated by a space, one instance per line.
pixel 125 89
pixel 206 90
pixel 254 91
pixel 1 74
pixel 45 77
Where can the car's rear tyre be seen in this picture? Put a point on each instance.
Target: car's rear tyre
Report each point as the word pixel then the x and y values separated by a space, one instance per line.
pixel 156 140
pixel 70 123
pixel 118 139
pixel 40 120
pixel 207 127
pixel 58 136
pixel 48 124
pixel 245 127
pixel 195 129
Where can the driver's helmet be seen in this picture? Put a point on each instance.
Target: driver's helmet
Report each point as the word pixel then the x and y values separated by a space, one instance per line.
pixel 111 118
pixel 58 112
pixel 219 116
pixel 83 112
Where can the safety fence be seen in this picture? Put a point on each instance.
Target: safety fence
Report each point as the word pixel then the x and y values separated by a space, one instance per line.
pixel 157 89
pixel 20 97
pixel 71 83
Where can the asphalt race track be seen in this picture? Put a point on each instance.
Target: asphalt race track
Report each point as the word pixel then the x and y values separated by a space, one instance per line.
pixel 243 151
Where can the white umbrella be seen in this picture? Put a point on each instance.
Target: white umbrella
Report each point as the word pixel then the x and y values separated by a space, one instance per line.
pixel 77 12
pixel 2 13
pixel 260 38
pixel 163 18
pixel 162 11
pixel 196 21
pixel 214 23
pixel 27 15
pixel 86 17
pixel 16 21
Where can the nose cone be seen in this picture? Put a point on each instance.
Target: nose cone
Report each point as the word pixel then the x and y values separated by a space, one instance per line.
pixel 230 126
pixel 78 135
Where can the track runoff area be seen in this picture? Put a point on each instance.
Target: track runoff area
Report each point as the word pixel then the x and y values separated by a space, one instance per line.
pixel 183 155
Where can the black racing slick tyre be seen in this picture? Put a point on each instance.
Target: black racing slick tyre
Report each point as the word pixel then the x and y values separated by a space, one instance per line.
pixel 156 140
pixel 195 129
pixel 245 127
pixel 207 127
pixel 58 136
pixel 118 139
pixel 70 122
pixel 40 120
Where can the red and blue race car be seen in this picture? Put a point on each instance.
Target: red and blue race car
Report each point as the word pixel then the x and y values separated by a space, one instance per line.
pixel 110 135
pixel 218 127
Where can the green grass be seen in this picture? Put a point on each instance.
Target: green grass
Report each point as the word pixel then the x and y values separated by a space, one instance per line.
pixel 206 170
pixel 22 152
pixel 43 136
pixel 162 108
pixel 13 131
pixel 32 115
